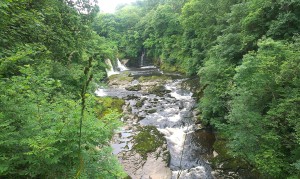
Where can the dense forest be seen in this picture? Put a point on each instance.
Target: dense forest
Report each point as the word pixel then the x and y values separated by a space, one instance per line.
pixel 50 59
pixel 246 54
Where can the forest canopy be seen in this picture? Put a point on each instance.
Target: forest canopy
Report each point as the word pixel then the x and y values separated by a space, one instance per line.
pixel 246 54
pixel 50 61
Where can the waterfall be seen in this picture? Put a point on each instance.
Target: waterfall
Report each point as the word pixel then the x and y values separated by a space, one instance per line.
pixel 111 70
pixel 121 66
pixel 142 59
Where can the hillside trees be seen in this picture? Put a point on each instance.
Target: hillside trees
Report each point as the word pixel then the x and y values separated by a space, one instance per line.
pixel 247 23
pixel 263 121
pixel 118 30
pixel 246 55
pixel 243 112
pixel 161 36
pixel 149 27
pixel 48 54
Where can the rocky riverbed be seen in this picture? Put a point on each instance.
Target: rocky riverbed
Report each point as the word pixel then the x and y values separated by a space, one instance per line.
pixel 160 138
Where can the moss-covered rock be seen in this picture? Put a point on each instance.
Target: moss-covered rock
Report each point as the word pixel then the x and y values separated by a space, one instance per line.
pixel 130 97
pixel 140 103
pixel 149 139
pixel 134 88
pixel 121 78
pixel 150 111
pixel 107 104
pixel 158 90
pixel 167 157
pixel 156 78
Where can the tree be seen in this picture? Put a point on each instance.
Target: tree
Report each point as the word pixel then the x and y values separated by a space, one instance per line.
pixel 263 120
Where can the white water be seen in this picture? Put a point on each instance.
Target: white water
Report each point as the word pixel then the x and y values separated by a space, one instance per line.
pixel 111 70
pixel 146 67
pixel 173 118
pixel 178 94
pixel 121 66
pixel 142 59
pixel 100 92
pixel 198 172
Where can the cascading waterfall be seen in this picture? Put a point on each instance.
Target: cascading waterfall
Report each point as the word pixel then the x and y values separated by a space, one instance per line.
pixel 111 70
pixel 121 67
pixel 142 59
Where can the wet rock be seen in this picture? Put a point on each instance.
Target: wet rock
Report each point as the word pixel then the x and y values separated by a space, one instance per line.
pixel 129 109
pixel 158 90
pixel 215 154
pixel 187 115
pixel 149 139
pixel 141 118
pixel 193 173
pixel 134 88
pixel 180 105
pixel 126 117
pixel 169 96
pixel 147 160
pixel 196 112
pixel 120 80
pixel 135 82
pixel 151 111
pixel 154 167
pixel 135 119
pixel 126 147
pixel 131 97
pixel 140 103
pixel 198 127
pixel 126 128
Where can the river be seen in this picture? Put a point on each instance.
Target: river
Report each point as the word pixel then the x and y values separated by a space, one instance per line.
pixel 160 100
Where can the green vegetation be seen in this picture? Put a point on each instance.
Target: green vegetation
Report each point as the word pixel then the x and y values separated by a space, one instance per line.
pixel 140 103
pixel 50 59
pixel 246 54
pixel 134 88
pixel 105 105
pixel 123 78
pixel 227 162
pixel 158 78
pixel 148 140
pixel 158 90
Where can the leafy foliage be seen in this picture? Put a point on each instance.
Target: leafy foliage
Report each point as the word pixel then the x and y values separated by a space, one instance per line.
pixel 48 55
pixel 263 121
pixel 246 54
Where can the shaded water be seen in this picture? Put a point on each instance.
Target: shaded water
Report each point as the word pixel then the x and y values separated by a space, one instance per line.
pixel 120 66
pixel 171 112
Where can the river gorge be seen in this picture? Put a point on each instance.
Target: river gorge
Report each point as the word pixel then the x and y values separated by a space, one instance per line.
pixel 160 137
